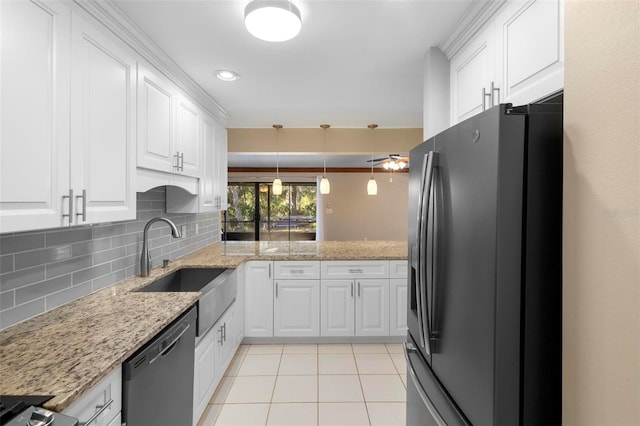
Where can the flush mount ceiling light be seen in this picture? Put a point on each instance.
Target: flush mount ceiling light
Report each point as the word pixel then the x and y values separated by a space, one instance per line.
pixel 227 75
pixel 272 20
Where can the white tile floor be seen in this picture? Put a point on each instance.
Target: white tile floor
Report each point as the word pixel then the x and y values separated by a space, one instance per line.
pixel 314 385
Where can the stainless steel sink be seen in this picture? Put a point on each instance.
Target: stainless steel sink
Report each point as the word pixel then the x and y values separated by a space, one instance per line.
pixel 219 286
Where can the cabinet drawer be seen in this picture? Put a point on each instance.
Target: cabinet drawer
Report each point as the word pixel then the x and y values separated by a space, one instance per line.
pixel 296 270
pixel 339 269
pixel 398 268
pixel 105 396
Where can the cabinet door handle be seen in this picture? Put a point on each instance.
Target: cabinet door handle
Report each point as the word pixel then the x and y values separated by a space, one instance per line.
pixel 351 288
pixel 358 288
pixel 221 334
pixel 70 215
pixel 84 205
pixel 182 161
pixel 276 290
pixel 224 331
pixel 493 90
pixel 484 96
pixel 269 270
pixel 99 410
pixel 177 157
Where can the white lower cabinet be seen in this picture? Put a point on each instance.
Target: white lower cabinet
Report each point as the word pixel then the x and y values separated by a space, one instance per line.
pixel 258 299
pixel 355 298
pixel 372 307
pixel 398 297
pixel 204 368
pixel 338 308
pixel 328 298
pixel 397 307
pixel 355 307
pixel 213 355
pixel 102 405
pixel 296 308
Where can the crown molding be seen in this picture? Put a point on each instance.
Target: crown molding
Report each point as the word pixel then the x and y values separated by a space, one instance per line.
pixel 107 13
pixel 474 18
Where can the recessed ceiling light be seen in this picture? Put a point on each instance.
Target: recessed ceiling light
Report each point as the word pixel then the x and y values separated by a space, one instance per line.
pixel 227 75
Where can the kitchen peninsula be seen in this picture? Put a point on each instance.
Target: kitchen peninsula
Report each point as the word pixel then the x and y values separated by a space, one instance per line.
pixel 67 351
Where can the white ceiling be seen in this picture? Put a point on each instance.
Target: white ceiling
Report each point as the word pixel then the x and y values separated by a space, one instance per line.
pixel 355 61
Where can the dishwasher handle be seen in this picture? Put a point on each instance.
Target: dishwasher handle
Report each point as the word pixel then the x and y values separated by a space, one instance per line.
pixel 171 345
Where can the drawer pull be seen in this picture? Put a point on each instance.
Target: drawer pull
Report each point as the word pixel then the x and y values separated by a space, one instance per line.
pixel 297 271
pixel 355 270
pixel 99 410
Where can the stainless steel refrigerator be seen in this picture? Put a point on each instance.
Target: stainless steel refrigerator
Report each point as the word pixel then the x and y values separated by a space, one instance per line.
pixel 484 345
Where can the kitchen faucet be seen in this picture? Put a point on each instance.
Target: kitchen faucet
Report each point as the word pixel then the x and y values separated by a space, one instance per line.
pixel 145 258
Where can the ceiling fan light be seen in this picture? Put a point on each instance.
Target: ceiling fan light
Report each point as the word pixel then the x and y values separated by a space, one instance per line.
pixel 402 164
pixel 386 166
pixel 372 187
pixel 272 20
pixel 277 186
pixel 325 186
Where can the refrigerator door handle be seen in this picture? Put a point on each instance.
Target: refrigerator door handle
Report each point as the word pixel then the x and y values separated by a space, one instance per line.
pixel 408 347
pixel 437 194
pixel 418 254
pixel 432 162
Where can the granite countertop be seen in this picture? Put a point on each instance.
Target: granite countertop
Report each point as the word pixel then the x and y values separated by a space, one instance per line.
pixel 68 350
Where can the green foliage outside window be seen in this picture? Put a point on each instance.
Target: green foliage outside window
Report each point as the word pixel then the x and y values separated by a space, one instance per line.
pixel 294 211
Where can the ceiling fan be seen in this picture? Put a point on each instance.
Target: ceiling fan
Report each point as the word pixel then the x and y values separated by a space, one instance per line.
pixel 391 162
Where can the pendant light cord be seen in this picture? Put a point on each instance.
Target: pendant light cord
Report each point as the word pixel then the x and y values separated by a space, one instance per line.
pixel 277 127
pixel 324 149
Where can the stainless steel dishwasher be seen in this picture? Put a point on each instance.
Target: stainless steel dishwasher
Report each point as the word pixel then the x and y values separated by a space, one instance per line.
pixel 158 379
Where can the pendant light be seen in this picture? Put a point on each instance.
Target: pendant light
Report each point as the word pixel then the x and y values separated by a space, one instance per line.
pixel 272 20
pixel 372 186
pixel 277 183
pixel 325 186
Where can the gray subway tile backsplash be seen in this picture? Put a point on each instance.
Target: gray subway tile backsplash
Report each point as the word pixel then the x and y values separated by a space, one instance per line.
pixel 41 289
pixel 68 266
pixel 20 242
pixel 22 312
pixel 20 278
pixel 40 271
pixel 91 273
pixel 67 237
pixel 41 256
pixel 6 263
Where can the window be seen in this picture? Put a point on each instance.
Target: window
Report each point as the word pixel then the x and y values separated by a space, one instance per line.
pixel 290 216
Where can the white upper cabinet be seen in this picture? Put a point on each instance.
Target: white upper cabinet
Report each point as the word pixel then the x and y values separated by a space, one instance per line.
pixel 212 163
pixel 220 167
pixel 34 134
pixel 517 57
pixel 187 148
pixel 157 103
pixel 531 60
pixel 472 71
pixel 207 181
pixel 103 115
pixel 169 125
pixel 68 119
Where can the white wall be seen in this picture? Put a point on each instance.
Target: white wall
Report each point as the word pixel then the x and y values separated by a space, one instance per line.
pixel 349 214
pixel 601 342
